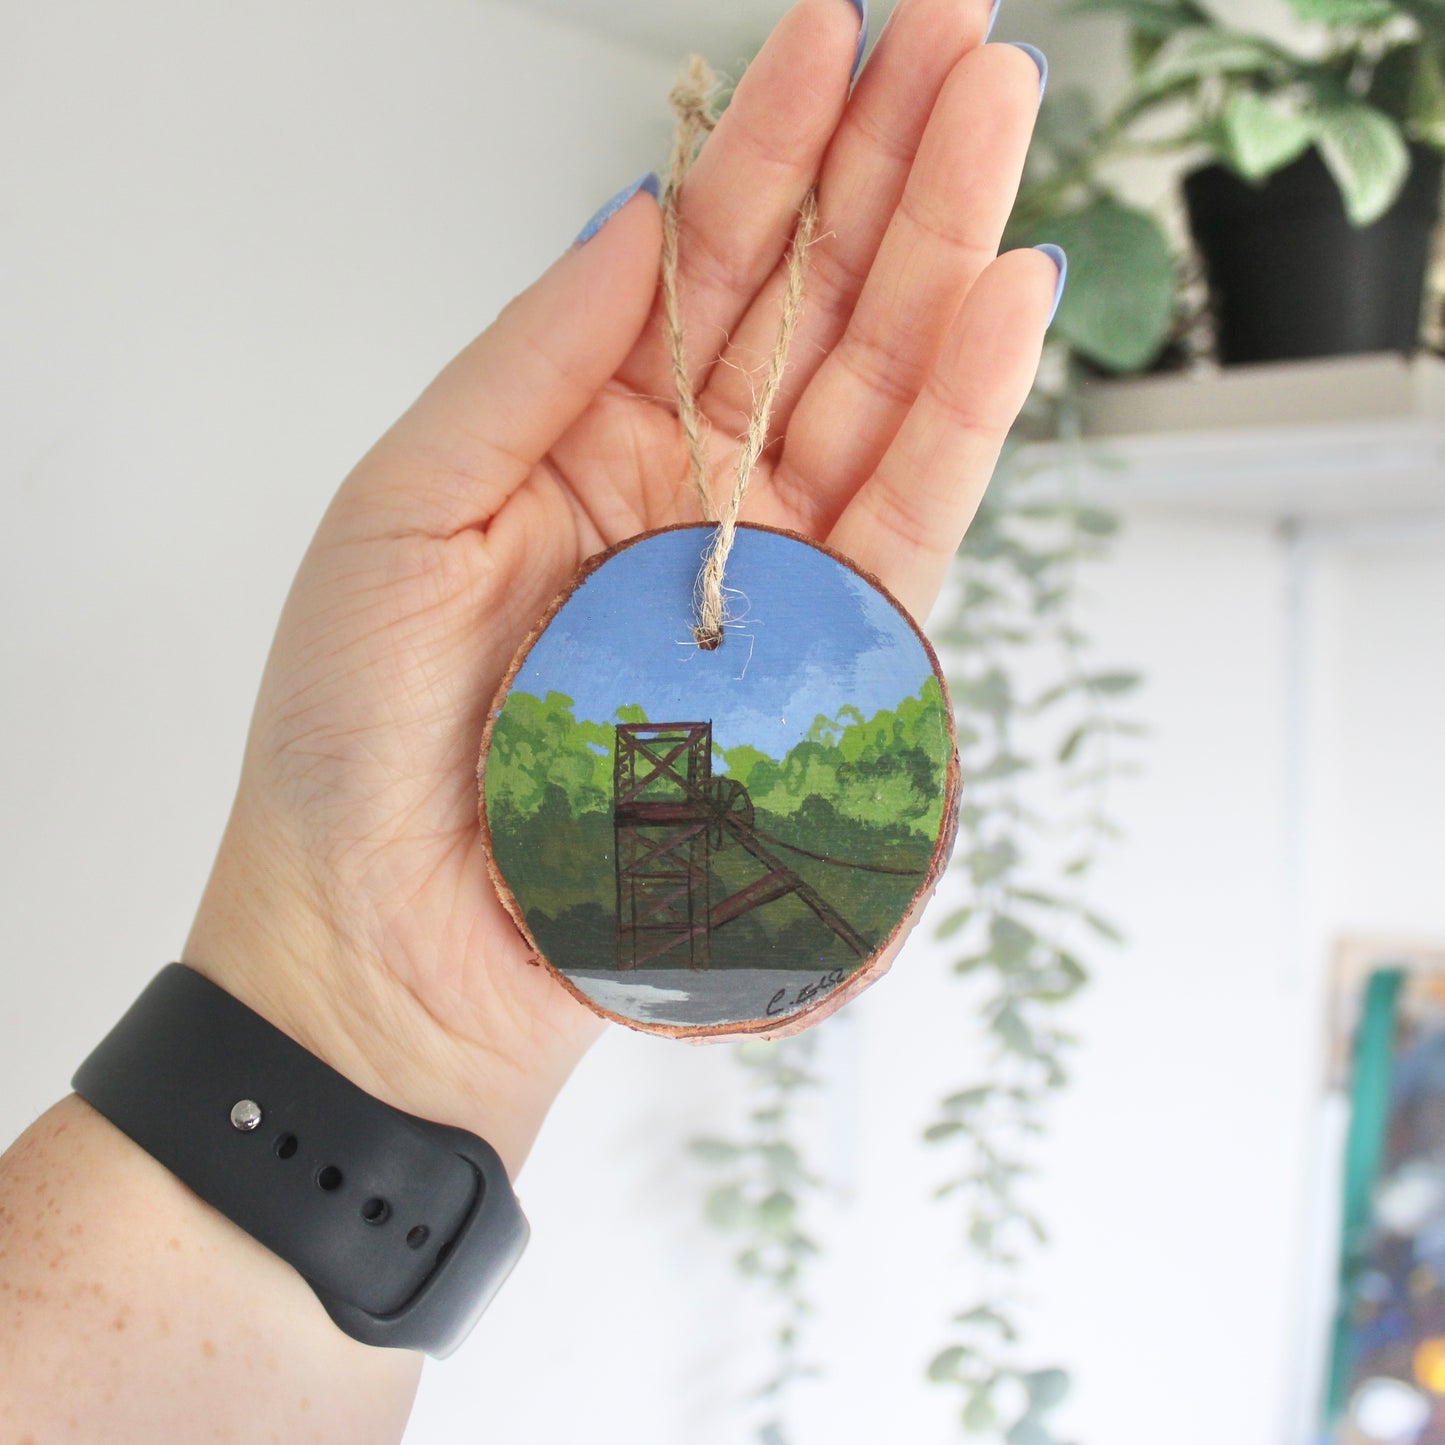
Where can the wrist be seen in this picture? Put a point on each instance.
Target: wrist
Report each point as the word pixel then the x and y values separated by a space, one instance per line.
pixel 264 934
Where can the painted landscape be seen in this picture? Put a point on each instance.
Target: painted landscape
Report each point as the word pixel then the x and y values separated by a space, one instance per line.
pixel 683 842
pixel 857 791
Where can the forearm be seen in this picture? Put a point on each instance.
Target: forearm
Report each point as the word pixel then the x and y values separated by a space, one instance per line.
pixel 132 1311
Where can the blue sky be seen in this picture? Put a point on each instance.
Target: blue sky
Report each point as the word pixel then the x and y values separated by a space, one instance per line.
pixel 807 637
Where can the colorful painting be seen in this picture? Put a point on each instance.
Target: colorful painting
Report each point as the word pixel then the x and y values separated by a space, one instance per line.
pixel 1386 1376
pixel 719 841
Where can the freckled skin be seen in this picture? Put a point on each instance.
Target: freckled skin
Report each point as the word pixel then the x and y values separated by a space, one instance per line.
pixel 128 1244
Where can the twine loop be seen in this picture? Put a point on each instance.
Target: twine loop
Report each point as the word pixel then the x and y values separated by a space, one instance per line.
pixel 691 101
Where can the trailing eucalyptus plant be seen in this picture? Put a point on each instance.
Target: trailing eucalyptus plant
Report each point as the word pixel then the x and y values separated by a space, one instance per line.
pixel 760 1197
pixel 1022 935
pixel 1025 925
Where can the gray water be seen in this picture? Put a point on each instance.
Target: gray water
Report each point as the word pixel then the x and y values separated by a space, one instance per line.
pixel 711 996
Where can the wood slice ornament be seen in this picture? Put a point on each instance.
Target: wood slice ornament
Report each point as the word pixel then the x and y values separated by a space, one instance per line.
pixel 720 778
pixel 730 840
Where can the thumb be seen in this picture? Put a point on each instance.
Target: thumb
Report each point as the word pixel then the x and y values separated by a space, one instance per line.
pixel 478 430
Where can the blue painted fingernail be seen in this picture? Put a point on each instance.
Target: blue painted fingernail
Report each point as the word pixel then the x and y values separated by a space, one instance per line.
pixel 1038 58
pixel 992 18
pixel 1056 255
pixel 608 209
pixel 861 6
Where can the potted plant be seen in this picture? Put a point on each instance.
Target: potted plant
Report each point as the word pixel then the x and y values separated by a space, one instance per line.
pixel 1314 210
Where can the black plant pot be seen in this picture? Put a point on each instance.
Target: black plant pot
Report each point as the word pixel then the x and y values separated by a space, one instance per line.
pixel 1290 276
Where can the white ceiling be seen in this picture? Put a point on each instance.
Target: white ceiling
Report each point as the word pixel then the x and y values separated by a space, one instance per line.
pixel 724 31
pixel 727 32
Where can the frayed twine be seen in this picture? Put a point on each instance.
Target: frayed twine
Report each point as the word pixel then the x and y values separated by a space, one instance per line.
pixel 691 102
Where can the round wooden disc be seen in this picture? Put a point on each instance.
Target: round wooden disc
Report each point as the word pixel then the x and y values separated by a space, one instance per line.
pixel 719 842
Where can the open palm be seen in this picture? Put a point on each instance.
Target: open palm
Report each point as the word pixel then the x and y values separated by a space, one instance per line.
pixel 553 437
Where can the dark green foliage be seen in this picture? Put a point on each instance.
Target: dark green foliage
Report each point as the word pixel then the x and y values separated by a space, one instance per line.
pixel 857 790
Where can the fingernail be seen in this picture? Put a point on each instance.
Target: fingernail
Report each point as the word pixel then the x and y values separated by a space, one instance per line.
pixel 608 209
pixel 992 18
pixel 1056 255
pixel 1037 56
pixel 861 6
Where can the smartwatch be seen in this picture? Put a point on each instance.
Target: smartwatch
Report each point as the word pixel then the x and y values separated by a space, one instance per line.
pixel 404 1228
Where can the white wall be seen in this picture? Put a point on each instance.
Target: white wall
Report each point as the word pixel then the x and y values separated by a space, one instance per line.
pixel 236 240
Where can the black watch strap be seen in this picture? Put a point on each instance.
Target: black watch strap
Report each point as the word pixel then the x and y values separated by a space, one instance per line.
pixel 403 1227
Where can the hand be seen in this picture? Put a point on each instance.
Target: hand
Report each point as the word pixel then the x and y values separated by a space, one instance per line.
pixel 350 900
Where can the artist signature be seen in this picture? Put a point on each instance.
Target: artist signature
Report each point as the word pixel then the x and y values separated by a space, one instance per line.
pixel 780 1003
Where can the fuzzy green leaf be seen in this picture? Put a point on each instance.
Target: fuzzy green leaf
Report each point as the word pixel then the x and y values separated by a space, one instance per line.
pixel 987 1316
pixel 1112 683
pixel 1038 898
pixel 1118 307
pixel 986 864
pixel 968 1098
pixel 1013 1032
pixel 1260 136
pixel 725 1207
pixel 756 1053
pixel 988 694
pixel 1211 50
pixel 946 1130
pixel 1102 927
pixel 713 1151
pixel 1366 155
pixel 1002 766
pixel 777 1210
pixel 972 962
pixel 943 1367
pixel 1071 743
pixel 952 922
pixel 979 1414
pixel 781 1157
pixel 1051 695
pixel 1046 1388
pixel 1010 941
pixel 1030 1430
pixel 1096 522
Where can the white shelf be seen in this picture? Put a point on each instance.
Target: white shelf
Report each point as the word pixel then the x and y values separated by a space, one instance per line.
pixel 1348 438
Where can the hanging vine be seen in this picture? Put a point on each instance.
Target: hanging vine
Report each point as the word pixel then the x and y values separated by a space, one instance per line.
pixel 1025 924
pixel 759 1198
